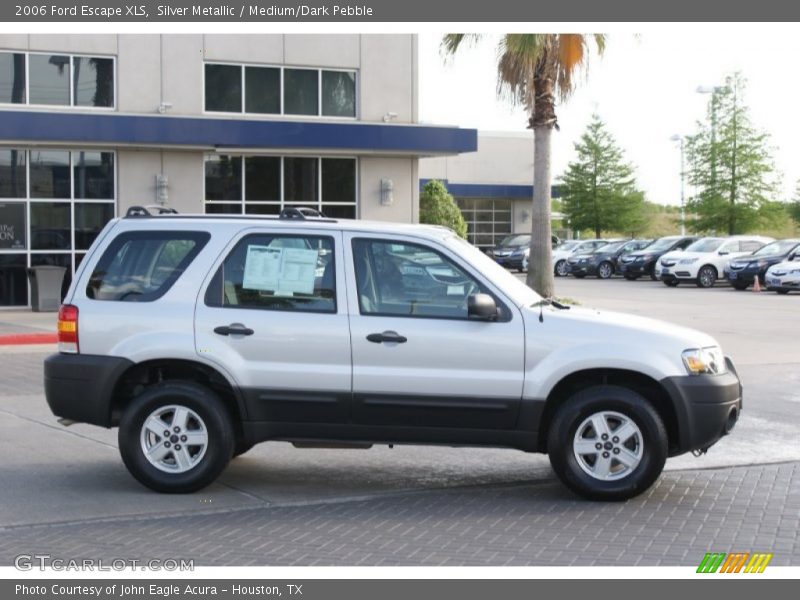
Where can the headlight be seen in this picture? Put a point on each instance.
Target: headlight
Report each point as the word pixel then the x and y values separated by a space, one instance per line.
pixel 794 272
pixel 688 261
pixel 700 361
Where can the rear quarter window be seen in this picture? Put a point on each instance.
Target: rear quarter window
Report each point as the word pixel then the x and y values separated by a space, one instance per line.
pixel 141 266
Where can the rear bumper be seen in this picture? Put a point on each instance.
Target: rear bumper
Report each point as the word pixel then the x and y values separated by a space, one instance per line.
pixel 80 387
pixel 706 407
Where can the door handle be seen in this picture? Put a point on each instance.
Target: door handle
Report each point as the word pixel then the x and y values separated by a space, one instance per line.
pixel 234 329
pixel 387 336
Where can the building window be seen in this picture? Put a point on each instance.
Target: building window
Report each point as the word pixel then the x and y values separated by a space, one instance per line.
pixel 488 220
pixel 265 184
pixel 56 80
pixel 12 78
pixel 280 90
pixel 50 212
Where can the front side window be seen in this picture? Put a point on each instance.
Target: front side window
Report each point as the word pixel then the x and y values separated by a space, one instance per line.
pixel 142 266
pixel 277 272
pixel 410 280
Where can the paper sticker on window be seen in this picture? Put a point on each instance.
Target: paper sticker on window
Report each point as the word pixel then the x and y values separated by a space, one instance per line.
pixel 283 271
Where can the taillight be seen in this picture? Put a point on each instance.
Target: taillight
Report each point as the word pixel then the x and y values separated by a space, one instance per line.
pixel 68 329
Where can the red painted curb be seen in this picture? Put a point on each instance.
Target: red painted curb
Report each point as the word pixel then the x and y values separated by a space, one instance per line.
pixel 21 339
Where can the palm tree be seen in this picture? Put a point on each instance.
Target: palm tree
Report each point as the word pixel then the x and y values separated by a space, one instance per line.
pixel 533 70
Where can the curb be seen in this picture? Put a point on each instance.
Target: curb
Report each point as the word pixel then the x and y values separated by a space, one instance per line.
pixel 24 339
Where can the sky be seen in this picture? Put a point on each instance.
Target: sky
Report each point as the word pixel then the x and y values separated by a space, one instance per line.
pixel 643 87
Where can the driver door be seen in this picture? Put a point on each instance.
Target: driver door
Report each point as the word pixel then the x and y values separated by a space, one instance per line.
pixel 417 359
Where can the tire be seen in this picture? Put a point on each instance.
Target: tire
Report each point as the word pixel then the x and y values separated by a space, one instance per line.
pixel 739 286
pixel 561 268
pixel 646 448
pixel 706 276
pixel 605 270
pixel 652 273
pixel 207 420
pixel 670 282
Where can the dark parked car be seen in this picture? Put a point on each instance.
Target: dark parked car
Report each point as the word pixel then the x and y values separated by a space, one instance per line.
pixel 743 270
pixel 603 261
pixel 512 251
pixel 643 262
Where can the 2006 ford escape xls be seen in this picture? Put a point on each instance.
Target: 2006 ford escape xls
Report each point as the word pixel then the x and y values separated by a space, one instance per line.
pixel 199 336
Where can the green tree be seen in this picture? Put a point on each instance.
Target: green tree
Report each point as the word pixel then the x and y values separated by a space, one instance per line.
pixel 794 205
pixel 599 187
pixel 732 166
pixel 437 207
pixel 533 71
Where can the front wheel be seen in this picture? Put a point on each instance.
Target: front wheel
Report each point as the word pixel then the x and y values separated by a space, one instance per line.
pixel 561 268
pixel 605 270
pixel 176 437
pixel 706 277
pixel 607 442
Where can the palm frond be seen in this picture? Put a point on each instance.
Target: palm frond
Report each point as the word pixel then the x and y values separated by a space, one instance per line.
pixel 451 42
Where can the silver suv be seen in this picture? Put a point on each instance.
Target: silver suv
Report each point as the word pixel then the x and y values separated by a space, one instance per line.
pixel 199 336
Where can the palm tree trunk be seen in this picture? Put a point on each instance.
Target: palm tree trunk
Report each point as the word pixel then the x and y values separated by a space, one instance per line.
pixel 543 119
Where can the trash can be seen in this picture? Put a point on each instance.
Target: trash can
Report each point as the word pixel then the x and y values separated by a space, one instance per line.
pixel 46 283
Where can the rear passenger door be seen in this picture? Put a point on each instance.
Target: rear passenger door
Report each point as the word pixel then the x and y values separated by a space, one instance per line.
pixel 273 314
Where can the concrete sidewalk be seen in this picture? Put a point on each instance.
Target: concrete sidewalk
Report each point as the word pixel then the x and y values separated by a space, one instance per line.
pixel 24 327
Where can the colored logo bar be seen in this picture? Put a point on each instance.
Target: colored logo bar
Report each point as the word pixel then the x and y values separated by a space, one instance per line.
pixel 736 562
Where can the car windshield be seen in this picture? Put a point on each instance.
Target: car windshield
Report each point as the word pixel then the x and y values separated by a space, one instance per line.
pixel 612 247
pixel 515 241
pixel 705 245
pixel 661 244
pixel 568 246
pixel 503 279
pixel 777 248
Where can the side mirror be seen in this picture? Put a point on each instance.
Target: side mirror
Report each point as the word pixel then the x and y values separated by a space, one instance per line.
pixel 481 307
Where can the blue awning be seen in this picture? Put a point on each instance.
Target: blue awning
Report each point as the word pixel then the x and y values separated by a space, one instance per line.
pixel 490 190
pixel 72 128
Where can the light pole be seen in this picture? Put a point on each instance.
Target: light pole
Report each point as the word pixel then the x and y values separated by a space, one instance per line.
pixel 679 138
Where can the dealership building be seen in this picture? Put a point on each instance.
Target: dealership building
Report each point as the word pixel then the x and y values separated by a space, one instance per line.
pixel 223 124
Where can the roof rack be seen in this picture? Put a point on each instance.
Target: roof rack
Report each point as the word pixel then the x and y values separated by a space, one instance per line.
pixel 300 212
pixel 150 210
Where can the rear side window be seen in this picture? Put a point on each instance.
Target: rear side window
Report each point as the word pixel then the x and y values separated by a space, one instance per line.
pixel 141 266
pixel 277 272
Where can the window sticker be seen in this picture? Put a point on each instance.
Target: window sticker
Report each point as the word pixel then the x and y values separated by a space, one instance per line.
pixel 283 271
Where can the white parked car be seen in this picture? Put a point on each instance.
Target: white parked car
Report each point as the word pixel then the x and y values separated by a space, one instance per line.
pixel 705 260
pixel 784 277
pixel 562 252
pixel 199 336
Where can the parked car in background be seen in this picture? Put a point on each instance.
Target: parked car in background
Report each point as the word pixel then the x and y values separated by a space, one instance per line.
pixel 785 276
pixel 602 262
pixel 508 246
pixel 742 271
pixel 572 248
pixel 634 265
pixel 513 251
pixel 704 261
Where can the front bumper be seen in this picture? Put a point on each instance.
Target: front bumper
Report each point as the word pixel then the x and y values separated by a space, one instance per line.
pixel 635 268
pixel 581 268
pixel 80 387
pixel 706 407
pixel 782 283
pixel 747 276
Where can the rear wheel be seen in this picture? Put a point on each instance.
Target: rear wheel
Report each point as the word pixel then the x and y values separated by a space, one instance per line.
pixel 605 270
pixel 706 277
pixel 607 443
pixel 561 268
pixel 176 437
